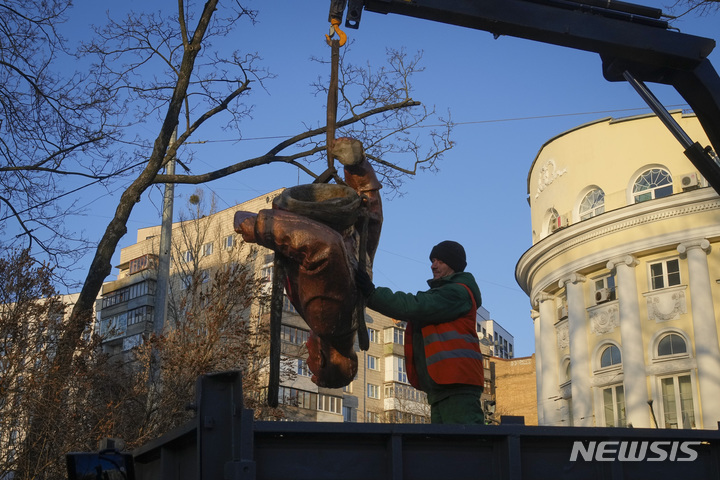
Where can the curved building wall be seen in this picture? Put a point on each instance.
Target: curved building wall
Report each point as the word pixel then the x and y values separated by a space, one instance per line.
pixel 622 276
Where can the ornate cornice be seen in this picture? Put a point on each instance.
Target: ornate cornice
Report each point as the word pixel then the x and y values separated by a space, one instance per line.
pixel 614 221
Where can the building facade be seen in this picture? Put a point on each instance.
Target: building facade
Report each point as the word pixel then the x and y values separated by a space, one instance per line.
pixel 514 390
pixel 379 393
pixel 623 277
pixel 501 341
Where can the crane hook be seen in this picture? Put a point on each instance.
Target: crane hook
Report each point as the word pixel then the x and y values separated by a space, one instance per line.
pixel 335 28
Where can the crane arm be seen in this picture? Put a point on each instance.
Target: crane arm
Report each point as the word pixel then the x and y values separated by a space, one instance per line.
pixel 632 40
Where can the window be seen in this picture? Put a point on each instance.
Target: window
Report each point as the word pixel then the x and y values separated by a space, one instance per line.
pixel 294 335
pixel 373 335
pixel 671 344
pixel 187 256
pixel 404 392
pixel 592 204
pixel 605 289
pixel 229 242
pixel 136 290
pixel 328 403
pixel 610 356
pixel 288 306
pixel 395 335
pixel 665 274
pixel 138 315
pixel 654 183
pixel 400 373
pixel 677 402
pixel 373 362
pixel 347 388
pixel 297 398
pixel 373 417
pixel 302 368
pixel 554 221
pixel 347 414
pixel 373 391
pixel 207 249
pixel 614 406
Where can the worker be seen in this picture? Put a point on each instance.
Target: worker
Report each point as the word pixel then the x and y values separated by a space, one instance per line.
pixel 320 252
pixel 442 349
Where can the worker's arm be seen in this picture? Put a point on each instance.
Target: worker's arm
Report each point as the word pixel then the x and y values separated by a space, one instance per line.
pixel 437 305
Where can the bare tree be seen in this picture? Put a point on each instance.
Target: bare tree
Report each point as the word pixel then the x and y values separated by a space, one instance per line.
pixel 54 130
pixel 197 83
pixel 31 322
pixel 699 7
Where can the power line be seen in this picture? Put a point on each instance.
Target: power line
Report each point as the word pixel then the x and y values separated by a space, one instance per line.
pixel 471 122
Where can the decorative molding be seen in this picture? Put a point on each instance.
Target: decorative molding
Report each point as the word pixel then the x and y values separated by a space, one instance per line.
pixel 627 260
pixel 614 221
pixel 572 278
pixel 611 377
pixel 548 174
pixel 703 244
pixel 542 297
pixel 563 334
pixel 666 304
pixel 604 318
pixel 665 367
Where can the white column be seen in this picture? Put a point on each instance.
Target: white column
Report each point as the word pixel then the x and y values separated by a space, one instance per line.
pixel 707 351
pixel 579 355
pixel 633 357
pixel 549 392
pixel 535 315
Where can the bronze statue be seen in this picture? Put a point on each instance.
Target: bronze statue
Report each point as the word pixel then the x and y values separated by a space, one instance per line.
pixel 316 229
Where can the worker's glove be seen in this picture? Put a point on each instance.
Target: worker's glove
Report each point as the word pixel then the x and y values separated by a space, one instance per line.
pixel 363 283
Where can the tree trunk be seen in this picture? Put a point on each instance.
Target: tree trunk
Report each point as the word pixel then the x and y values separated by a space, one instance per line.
pixel 81 315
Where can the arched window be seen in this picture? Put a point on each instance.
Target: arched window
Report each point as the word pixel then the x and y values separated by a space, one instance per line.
pixel 654 183
pixel 553 221
pixel 610 356
pixel 671 344
pixel 592 204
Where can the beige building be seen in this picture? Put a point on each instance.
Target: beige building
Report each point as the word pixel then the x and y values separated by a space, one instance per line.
pixel 623 277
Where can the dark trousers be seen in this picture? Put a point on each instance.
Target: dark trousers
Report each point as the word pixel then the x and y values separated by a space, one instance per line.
pixel 462 409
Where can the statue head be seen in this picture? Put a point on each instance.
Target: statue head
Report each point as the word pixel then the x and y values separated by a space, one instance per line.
pixel 330 367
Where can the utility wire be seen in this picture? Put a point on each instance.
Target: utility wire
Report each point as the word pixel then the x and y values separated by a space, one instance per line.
pixel 475 122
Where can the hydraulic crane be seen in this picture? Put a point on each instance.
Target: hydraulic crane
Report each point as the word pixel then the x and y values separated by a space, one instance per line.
pixel 634 42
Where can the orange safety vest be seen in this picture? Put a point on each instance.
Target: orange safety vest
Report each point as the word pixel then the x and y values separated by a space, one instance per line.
pixel 452 351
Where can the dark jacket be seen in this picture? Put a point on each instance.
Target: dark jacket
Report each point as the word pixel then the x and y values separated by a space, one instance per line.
pixel 446 301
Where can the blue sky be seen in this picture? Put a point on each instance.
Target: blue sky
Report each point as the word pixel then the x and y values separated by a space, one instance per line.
pixel 507 97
